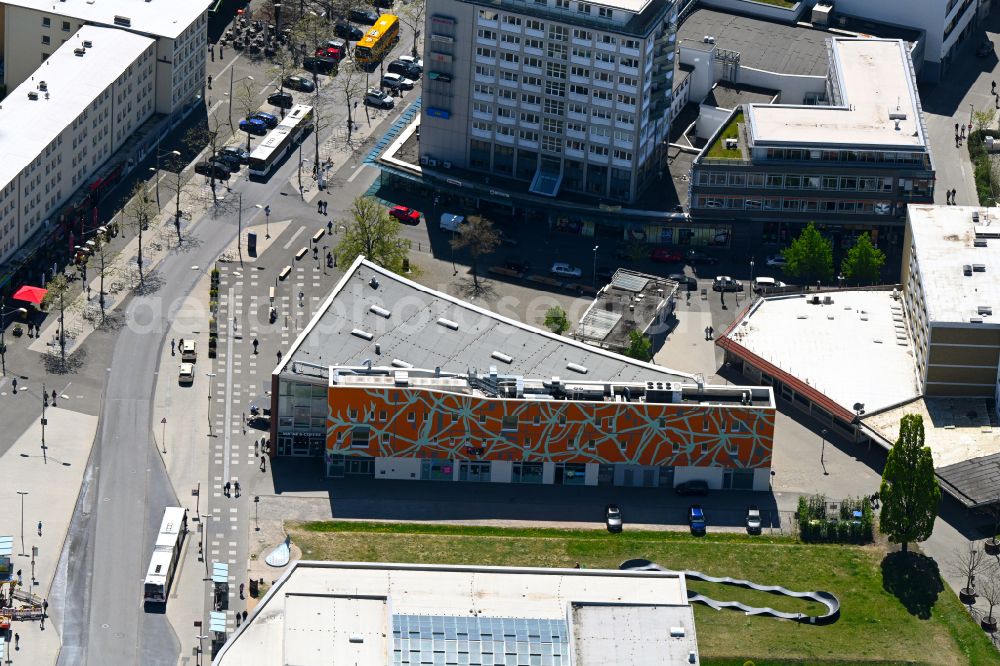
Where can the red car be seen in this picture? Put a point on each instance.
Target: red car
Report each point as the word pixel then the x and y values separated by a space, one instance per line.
pixel 665 256
pixel 329 52
pixel 405 215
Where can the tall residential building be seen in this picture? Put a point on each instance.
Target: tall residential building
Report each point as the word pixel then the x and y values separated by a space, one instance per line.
pixel 563 95
pixel 34 29
pixel 61 124
pixel 850 165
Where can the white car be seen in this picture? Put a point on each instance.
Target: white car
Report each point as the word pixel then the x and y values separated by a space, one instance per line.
pixel 378 99
pixel 565 270
pixel 397 82
pixel 186 374
pixel 416 62
pixel 776 260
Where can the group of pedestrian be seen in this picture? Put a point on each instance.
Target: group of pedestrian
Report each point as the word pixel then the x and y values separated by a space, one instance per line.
pixel 949 196
pixel 960 134
pixel 321 206
pixel 230 487
pixel 874 500
pixel 709 332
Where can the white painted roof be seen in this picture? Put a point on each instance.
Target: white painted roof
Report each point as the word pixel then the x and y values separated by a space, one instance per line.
pixel 876 81
pixel 27 126
pixel 943 240
pixel 166 18
pixel 838 349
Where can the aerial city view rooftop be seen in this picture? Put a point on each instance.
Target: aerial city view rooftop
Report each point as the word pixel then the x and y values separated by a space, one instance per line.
pixel 523 332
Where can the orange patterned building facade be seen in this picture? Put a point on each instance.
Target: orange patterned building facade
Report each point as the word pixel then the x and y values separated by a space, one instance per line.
pixel 420 425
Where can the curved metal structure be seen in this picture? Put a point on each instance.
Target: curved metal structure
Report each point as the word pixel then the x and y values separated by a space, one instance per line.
pixel 830 601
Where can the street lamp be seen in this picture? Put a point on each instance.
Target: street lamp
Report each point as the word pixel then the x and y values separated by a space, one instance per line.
pixel 210 375
pixel 156 171
pixel 22 493
pixel 596 247
pixel 751 272
pixel 201 646
pixel 267 211
pixel 245 78
pixel 822 452
pixel 239 228
pixel 3 327
pixel 256 521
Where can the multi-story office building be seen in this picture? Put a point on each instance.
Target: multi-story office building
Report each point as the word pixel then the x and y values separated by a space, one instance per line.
pixel 951 293
pixel 34 29
pixel 852 164
pixel 564 95
pixel 62 123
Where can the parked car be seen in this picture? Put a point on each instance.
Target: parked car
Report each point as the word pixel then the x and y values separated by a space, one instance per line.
pixel 753 519
pixel 777 260
pixel 347 31
pixel 300 83
pixel 403 68
pixel 416 62
pixel 517 264
pixel 685 281
pixel 665 255
pixel 239 153
pixel 726 283
pixel 696 257
pixel 613 518
pixel 382 4
pixel 696 520
pixel 363 16
pixel 189 351
pixel 269 120
pixel 231 162
pixel 692 487
pixel 763 284
pixel 562 269
pixel 378 99
pixel 396 82
pixel 186 375
pixel 253 126
pixel 319 65
pixel 212 169
pixel 282 100
pixel 405 215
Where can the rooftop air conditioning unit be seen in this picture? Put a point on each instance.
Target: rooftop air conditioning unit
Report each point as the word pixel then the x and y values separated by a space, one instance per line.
pixel 87 43
pixel 424 160
pixel 446 165
pixel 732 144
pixel 79 51
pixel 32 94
pixel 708 39
pixel 431 162
pixel 42 85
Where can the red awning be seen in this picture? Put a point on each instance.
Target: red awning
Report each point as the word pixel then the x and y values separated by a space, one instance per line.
pixel 30 294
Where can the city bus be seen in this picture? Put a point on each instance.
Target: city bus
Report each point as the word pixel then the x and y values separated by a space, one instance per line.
pixel 378 40
pixel 280 140
pixel 166 554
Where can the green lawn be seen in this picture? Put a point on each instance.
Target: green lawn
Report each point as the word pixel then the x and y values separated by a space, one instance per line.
pixel 730 131
pixel 924 624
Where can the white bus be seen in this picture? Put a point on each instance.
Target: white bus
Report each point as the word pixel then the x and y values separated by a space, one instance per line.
pixel 166 553
pixel 280 140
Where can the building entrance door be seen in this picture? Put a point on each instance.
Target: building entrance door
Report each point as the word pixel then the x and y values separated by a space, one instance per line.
pixel 473 471
pixel 360 467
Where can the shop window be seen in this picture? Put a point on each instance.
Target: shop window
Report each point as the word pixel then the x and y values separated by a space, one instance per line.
pixel 360 437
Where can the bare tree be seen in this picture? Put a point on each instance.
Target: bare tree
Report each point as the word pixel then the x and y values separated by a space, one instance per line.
pixel 246 100
pixel 351 84
pixel 969 561
pixel 174 168
pixel 989 589
pixel 480 238
pixel 102 261
pixel 58 287
pixel 137 213
pixel 209 136
pixel 282 64
pixel 412 16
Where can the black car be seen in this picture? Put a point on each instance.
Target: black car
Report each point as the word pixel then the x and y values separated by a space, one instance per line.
pixel 382 4
pixel 239 153
pixel 213 169
pixel 404 68
pixel 695 257
pixel 363 16
pixel 516 264
pixel 685 281
pixel 282 100
pixel 300 83
pixel 231 162
pixel 692 487
pixel 319 65
pixel 348 31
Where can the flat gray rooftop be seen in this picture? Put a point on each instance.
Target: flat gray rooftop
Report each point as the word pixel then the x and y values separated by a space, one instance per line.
pixel 773 47
pixel 731 95
pixel 424 328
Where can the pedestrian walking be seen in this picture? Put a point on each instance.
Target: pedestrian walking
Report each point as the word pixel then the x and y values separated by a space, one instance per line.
pixel 329 226
pixel 242 588
pixel 954 192
pixel 279 356
pixel 238 619
pixel 263 463
pixel 255 346
pixel 962 132
pixel 256 448
pixel 17 641
pixel 706 332
pixel 13 384
pixel 244 616
pixel 234 324
pixel 236 486
pixel 211 50
pixel 956 128
pixel 173 347
pixel 39 528
pixel 994 87
pixel 711 332
pixel 319 207
pixel 326 205
pixel 45 606
pixel 222 51
pixel 225 488
pixel 53 397
pixel 88 292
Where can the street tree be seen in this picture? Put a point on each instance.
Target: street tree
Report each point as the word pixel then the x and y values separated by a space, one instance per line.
pixel 137 214
pixel 639 346
pixel 556 320
pixel 103 262
pixel 909 492
pixel 810 256
pixel 246 102
pixel 412 16
pixel 176 183
pixel 969 561
pixel 350 83
pixel 284 62
pixel 209 136
pixel 983 118
pixel 55 297
pixel 989 589
pixel 480 238
pixel 864 261
pixel 372 232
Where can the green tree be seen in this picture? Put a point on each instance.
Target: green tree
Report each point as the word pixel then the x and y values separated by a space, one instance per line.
pixel 909 492
pixel 58 289
pixel 479 237
pixel 556 320
pixel 810 256
pixel 864 261
pixel 373 233
pixel 639 346
pixel 983 118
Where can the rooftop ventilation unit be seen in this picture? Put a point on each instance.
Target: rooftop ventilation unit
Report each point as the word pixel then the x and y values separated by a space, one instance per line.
pixel 381 312
pixel 123 21
pixel 985 310
pixel 362 334
pixel 398 363
pixel 576 367
pixel 978 268
pixel 975 217
pixel 447 323
pixel 373 282
pixel 708 39
pixel 979 242
pixel 87 43
pixel 79 51
pixel 500 356
pixel 32 94
pixel 975 320
pixel 967 269
pixel 677 632
pixel 42 85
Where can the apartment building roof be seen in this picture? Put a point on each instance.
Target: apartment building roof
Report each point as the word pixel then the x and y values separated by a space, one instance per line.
pixel 165 18
pixel 957 250
pixel 368 613
pixel 71 83
pixel 878 104
pixel 374 314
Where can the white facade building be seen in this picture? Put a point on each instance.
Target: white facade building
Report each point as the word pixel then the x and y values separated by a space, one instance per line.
pixel 62 123
pixel 34 29
pixel 562 94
